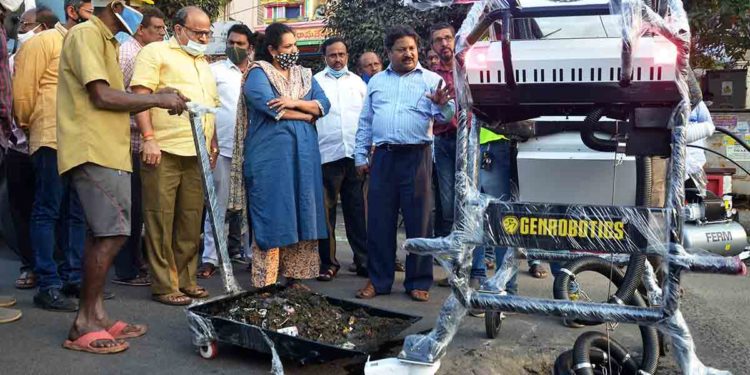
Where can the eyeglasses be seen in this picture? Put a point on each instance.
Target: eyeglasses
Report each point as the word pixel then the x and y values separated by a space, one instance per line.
pixel 25 24
pixel 198 33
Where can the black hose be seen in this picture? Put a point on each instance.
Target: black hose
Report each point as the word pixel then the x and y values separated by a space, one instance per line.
pixel 590 139
pixel 584 348
pixel 723 156
pixel 599 359
pixel 643 179
pixel 596 264
pixel 733 136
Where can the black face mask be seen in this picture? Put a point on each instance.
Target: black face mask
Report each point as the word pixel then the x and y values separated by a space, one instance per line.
pixel 236 55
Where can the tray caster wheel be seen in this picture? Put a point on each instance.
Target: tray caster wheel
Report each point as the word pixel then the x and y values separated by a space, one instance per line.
pixel 493 322
pixel 209 351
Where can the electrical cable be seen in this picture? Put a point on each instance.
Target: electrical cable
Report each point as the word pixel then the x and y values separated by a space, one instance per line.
pixel 722 155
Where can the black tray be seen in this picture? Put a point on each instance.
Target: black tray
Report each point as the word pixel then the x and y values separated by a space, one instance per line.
pixel 295 348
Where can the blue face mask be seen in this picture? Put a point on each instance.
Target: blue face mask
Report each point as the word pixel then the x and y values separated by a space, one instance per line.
pixel 366 77
pixel 337 73
pixel 130 18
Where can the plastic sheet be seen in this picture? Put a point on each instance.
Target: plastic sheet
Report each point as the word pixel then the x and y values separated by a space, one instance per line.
pixel 201 328
pixel 197 113
pixel 624 230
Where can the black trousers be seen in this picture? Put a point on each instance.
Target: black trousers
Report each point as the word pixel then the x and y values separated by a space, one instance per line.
pixel 130 259
pixel 340 179
pixel 400 179
pixel 19 173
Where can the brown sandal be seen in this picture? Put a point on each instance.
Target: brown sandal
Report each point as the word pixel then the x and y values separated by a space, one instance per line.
pixel 196 292
pixel 206 271
pixel 419 295
pixel 368 292
pixel 174 299
pixel 328 275
pixel 26 280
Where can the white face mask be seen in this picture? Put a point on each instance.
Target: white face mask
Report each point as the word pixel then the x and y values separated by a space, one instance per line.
pixel 11 5
pixel 22 38
pixel 194 48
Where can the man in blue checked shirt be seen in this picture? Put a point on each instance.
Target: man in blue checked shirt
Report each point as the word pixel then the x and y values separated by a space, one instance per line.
pixel 401 105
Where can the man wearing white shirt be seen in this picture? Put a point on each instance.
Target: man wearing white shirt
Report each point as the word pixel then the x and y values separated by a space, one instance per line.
pixel 228 74
pixel 336 133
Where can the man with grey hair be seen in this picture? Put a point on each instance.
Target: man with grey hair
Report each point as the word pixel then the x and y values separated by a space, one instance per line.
pixel 171 177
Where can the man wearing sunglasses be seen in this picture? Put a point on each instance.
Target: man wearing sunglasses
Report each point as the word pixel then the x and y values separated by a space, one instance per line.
pixel 171 177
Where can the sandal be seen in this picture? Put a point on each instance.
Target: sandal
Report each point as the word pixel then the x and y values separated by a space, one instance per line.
pixel 174 299
pixel 419 295
pixel 122 330
pixel 328 275
pixel 144 280
pixel 368 292
pixel 297 285
pixel 196 292
pixel 85 343
pixel 538 271
pixel 26 280
pixel 206 270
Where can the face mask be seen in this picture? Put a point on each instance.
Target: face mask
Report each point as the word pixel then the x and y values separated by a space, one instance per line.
pixel 22 38
pixel 130 18
pixel 366 77
pixel 11 5
pixel 236 55
pixel 287 60
pixel 337 73
pixel 194 48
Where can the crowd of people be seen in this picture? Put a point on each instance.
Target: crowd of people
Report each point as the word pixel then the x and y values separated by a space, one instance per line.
pixel 102 167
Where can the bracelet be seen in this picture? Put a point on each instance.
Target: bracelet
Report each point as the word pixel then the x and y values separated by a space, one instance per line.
pixel 149 137
pixel 148 134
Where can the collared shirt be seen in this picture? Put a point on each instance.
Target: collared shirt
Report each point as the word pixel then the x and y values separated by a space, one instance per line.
pixel 128 52
pixel 397 110
pixel 229 84
pixel 446 74
pixel 85 133
pixel 6 97
pixel 166 64
pixel 336 131
pixel 35 87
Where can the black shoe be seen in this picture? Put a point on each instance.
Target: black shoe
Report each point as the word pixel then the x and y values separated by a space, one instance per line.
pixel 53 300
pixel 74 291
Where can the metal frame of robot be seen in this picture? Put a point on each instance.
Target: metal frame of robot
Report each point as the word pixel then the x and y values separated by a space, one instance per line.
pixel 454 251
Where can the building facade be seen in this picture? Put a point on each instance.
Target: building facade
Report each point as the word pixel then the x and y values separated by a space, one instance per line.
pixel 306 17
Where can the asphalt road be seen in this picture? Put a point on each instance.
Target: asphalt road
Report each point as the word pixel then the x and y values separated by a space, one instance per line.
pixel 714 306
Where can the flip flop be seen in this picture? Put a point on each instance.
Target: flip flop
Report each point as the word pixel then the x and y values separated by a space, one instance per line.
pixel 86 341
pixel 26 280
pixel 9 315
pixel 328 275
pixel 538 271
pixel 419 295
pixel 118 330
pixel 195 292
pixel 368 292
pixel 174 299
pixel 206 271
pixel 7 301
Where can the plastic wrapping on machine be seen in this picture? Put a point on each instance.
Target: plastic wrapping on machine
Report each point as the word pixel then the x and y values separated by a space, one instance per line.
pixel 201 328
pixel 197 113
pixel 576 230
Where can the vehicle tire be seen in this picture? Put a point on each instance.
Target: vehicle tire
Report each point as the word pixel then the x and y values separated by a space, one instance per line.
pixel 209 351
pixel 493 322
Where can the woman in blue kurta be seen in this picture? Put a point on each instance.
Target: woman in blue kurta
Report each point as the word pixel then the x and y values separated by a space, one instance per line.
pixel 282 162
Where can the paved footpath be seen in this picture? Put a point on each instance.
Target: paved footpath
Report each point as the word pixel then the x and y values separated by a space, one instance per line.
pixel 716 308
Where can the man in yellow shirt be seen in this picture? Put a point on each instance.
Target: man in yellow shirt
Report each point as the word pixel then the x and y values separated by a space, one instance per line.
pixel 34 102
pixel 93 138
pixel 171 177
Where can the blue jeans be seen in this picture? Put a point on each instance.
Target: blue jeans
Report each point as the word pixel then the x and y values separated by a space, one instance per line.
pixel 495 181
pixel 445 169
pixel 56 206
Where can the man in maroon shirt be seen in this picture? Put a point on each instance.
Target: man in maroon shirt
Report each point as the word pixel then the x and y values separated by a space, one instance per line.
pixel 442 39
